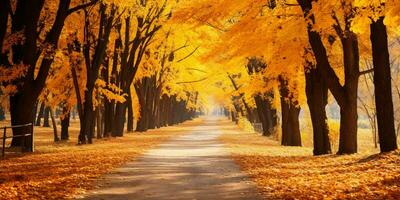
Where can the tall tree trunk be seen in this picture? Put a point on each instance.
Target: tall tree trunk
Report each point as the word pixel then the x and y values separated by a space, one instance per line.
pixel 317 99
pixel 143 96
pixel 120 111
pixel 266 114
pixel 109 117
pixel 65 126
pixel 234 116
pixel 2 114
pixel 130 112
pixel 53 120
pixel 99 124
pixel 4 13
pixel 93 126
pixel 40 115
pixel 21 110
pixel 348 105
pixel 85 134
pixel 46 116
pixel 383 87
pixel 290 117
pixel 73 111
pixel 34 112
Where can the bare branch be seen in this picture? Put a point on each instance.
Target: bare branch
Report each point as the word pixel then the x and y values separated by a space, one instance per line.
pixel 366 72
pixel 190 54
pixel 82 6
pixel 185 82
pixel 194 69
pixel 336 26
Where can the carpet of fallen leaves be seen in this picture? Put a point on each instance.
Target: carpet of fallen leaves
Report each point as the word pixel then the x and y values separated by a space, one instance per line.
pixel 63 170
pixel 293 173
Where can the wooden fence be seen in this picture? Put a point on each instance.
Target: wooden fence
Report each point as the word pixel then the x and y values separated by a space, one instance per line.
pixel 28 133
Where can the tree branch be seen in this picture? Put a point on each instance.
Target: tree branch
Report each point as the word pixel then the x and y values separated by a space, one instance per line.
pixel 203 79
pixel 336 26
pixel 366 72
pixel 190 54
pixel 194 69
pixel 82 6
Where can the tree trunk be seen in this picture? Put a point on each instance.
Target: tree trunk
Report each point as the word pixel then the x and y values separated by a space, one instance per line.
pixel 120 111
pixel 21 110
pixel 99 124
pixel 234 117
pixel 73 113
pixel 4 13
pixel 317 99
pixel 2 114
pixel 267 115
pixel 290 118
pixel 109 114
pixel 143 97
pixel 46 116
pixel 85 134
pixel 348 103
pixel 65 126
pixel 53 120
pixel 130 112
pixel 93 127
pixel 40 115
pixel 383 87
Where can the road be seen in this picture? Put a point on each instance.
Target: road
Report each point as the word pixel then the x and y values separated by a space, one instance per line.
pixel 193 166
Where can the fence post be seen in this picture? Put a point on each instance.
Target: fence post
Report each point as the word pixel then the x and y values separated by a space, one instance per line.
pixel 24 142
pixel 4 142
pixel 32 137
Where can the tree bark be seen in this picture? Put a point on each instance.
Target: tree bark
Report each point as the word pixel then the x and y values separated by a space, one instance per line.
pixel 2 114
pixel 290 117
pixel 40 115
pixel 143 97
pixel 65 126
pixel 317 99
pixel 383 86
pixel 54 123
pixel 130 112
pixel 267 115
pixel 120 111
pixel 46 116
pixel 348 107
pixel 99 124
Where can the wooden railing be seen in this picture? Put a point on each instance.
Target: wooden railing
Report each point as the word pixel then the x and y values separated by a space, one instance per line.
pixel 28 132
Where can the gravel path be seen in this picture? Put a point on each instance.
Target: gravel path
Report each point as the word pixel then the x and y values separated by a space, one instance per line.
pixel 192 166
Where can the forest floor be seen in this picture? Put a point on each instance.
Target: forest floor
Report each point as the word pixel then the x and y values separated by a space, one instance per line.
pixel 293 173
pixel 64 169
pixel 193 162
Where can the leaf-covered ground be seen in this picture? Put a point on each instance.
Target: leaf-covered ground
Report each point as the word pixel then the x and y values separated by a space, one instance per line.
pixel 293 173
pixel 63 170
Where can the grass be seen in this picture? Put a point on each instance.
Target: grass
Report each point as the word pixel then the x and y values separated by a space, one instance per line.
pixel 64 170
